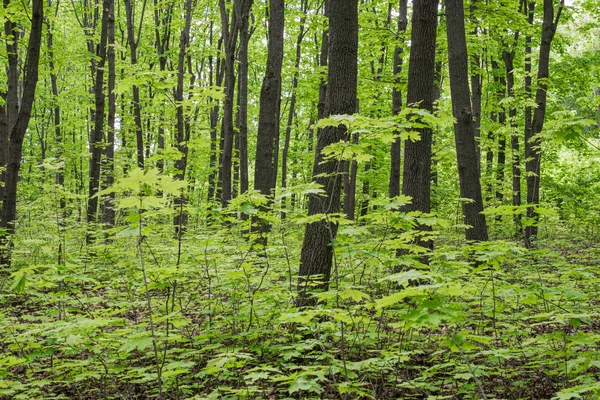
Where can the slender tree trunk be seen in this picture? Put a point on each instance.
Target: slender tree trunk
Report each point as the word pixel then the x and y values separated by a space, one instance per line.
pixel 215 73
pixel 180 220
pixel 508 57
pixel 230 37
pixel 267 141
pixel 464 127
pixel 59 178
pixel 242 120
pixel 395 152
pixel 416 178
pixel 292 110
pixel 137 113
pixel 319 237
pixel 18 130
pixel 97 137
pixel 162 37
pixel 533 152
pixel 476 87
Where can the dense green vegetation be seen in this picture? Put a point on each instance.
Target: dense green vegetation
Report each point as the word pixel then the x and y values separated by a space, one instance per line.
pixel 135 268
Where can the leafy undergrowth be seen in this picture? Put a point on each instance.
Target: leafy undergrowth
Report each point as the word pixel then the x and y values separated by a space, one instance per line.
pixel 486 321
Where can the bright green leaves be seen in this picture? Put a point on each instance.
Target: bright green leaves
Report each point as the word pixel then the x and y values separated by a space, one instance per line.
pixel 142 189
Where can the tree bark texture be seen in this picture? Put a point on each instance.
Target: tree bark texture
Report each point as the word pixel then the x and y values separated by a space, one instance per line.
pixel 267 141
pixel 19 128
pixel 317 248
pixel 464 125
pixel 182 138
pixel 242 116
pixel 137 112
pixel 396 149
pixel 109 200
pixel 533 153
pixel 230 37
pixel 97 136
pixel 416 177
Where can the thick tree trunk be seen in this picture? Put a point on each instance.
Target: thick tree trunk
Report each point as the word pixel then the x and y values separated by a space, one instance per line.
pixel 533 153
pixel 464 127
pixel 10 109
pixel 109 200
pixel 267 141
pixel 18 130
pixel 395 152
pixel 317 247
pixel 97 136
pixel 416 177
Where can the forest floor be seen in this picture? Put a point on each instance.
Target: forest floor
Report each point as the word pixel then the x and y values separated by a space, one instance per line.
pixel 508 324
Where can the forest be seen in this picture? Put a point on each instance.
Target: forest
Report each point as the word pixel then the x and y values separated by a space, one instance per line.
pixel 300 199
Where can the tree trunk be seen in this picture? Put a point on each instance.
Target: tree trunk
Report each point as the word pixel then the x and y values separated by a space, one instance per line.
pixel 97 136
pixel 10 109
pixel 317 247
pixel 137 113
pixel 59 178
pixel 267 141
pixel 292 110
pixel 230 36
pixel 464 127
pixel 416 178
pixel 508 57
pixel 476 87
pixel 180 220
pixel 109 200
pixel 533 153
pixel 18 130
pixel 242 119
pixel 215 73
pixel 162 34
pixel 396 150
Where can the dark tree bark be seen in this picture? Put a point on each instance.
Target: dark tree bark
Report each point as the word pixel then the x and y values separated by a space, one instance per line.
pixel 137 112
pixel 59 178
pixel 322 62
pixel 230 37
pixel 97 136
pixel 215 74
pixel 10 109
pixel 464 127
pixel 416 178
pixel 317 247
pixel 16 134
pixel 500 117
pixel 242 115
pixel 533 153
pixel 267 141
pixel 162 37
pixel 395 152
pixel 109 200
pixel 476 86
pixel 292 110
pixel 182 138
pixel 508 57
